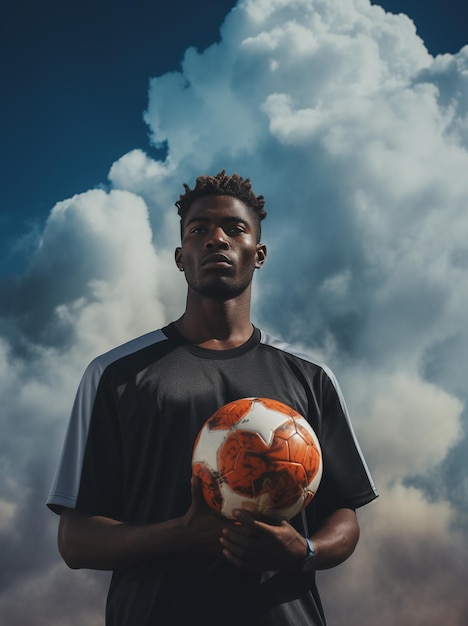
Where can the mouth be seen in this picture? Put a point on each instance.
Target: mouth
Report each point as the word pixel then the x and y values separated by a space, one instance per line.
pixel 216 258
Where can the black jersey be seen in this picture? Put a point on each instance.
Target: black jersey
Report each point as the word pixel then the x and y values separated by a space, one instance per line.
pixel 127 456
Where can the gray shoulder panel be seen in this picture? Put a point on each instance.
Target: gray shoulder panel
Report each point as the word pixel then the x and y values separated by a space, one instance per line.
pixel 66 484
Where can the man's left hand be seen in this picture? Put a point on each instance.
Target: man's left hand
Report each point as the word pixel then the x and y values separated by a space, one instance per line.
pixel 260 544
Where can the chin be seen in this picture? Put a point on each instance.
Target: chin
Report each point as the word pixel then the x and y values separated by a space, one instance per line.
pixel 220 290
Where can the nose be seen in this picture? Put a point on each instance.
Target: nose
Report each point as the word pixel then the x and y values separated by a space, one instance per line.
pixel 217 239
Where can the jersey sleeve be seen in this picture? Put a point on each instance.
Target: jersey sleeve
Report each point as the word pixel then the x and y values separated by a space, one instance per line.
pixel 89 470
pixel 346 480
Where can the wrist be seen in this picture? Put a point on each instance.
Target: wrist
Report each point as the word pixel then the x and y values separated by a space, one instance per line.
pixel 308 562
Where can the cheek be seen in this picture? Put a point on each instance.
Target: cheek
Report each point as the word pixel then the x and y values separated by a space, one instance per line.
pixel 249 260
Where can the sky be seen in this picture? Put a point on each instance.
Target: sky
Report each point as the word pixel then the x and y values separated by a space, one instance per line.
pixel 352 120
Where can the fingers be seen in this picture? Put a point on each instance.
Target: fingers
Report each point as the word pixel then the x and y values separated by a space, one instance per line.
pixel 195 487
pixel 265 525
pixel 247 544
pixel 198 501
pixel 239 546
pixel 260 519
pixel 255 544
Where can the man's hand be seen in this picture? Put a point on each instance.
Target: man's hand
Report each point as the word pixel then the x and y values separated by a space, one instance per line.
pixel 98 542
pixel 259 544
pixel 203 527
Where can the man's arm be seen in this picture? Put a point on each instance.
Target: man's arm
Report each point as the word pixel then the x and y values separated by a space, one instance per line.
pixel 336 539
pixel 95 542
pixel 259 545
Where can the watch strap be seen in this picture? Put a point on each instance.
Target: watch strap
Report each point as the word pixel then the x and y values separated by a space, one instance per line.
pixel 308 562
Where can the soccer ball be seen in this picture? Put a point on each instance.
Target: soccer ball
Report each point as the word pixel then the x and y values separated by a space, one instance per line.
pixel 260 455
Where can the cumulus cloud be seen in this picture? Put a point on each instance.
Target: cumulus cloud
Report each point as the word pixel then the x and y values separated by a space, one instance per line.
pixel 357 137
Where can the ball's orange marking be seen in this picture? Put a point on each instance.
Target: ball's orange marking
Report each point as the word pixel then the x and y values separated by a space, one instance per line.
pixel 273 476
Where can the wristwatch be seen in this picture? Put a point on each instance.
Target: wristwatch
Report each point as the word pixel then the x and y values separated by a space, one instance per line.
pixel 308 564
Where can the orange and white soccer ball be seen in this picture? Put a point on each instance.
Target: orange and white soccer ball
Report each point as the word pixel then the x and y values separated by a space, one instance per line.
pixel 260 455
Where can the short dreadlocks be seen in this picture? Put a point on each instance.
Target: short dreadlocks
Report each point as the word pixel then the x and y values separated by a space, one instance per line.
pixel 223 185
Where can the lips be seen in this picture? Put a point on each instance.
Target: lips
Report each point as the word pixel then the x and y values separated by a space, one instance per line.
pixel 216 257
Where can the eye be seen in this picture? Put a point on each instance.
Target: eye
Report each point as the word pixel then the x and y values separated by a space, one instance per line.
pixel 236 229
pixel 198 229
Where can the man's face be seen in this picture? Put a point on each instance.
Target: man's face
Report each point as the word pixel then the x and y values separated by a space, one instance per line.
pixel 219 251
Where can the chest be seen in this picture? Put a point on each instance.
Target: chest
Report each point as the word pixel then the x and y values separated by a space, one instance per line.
pixel 162 407
pixel 180 392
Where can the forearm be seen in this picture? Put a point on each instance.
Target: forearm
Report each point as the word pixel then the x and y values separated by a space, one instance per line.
pixel 101 543
pixel 336 539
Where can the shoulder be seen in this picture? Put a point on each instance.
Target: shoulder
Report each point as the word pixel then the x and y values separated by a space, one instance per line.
pixel 125 351
pixel 313 368
pixel 129 348
pixel 294 351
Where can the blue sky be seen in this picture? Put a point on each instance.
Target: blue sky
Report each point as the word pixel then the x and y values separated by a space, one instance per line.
pixel 356 132
pixel 75 87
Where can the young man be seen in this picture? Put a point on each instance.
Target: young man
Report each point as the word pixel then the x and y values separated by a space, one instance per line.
pixel 124 487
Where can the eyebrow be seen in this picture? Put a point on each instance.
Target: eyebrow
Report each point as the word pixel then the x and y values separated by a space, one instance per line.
pixel 225 220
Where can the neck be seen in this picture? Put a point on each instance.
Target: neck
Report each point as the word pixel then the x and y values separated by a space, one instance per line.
pixel 215 324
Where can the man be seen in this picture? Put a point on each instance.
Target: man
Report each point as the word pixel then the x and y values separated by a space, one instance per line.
pixel 124 487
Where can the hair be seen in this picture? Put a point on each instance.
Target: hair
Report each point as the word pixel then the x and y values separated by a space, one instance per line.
pixel 222 185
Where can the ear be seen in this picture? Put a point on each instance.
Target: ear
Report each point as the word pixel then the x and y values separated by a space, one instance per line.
pixel 261 255
pixel 179 259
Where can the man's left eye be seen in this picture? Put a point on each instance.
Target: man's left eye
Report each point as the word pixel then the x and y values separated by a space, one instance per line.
pixel 235 230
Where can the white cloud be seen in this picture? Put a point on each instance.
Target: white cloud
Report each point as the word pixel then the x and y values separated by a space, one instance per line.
pixel 357 137
pixel 407 424
pixel 96 271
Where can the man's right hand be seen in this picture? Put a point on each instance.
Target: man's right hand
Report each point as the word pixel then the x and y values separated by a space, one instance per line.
pixel 203 526
pixel 97 542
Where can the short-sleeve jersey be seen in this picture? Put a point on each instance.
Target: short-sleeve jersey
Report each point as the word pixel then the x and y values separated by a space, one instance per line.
pixel 127 456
